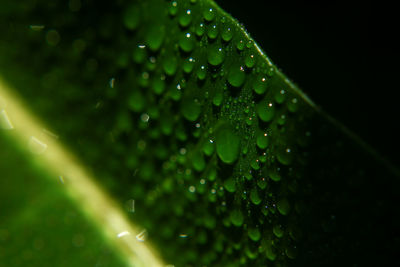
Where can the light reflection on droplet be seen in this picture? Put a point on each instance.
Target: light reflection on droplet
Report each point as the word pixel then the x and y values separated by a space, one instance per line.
pixel 36 146
pixel 36 27
pixel 130 205
pixel 47 133
pixel 61 178
pixel 183 235
pixel 5 122
pixel 192 189
pixel 124 233
pixel 145 117
pixel 112 82
pixel 141 237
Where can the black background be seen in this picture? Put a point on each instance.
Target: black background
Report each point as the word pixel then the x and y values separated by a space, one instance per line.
pixel 343 54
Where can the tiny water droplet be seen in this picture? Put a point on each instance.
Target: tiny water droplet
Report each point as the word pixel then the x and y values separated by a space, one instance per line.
pixel 142 236
pixel 5 122
pixel 124 233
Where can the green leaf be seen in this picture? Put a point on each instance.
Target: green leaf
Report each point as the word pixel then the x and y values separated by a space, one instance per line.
pixel 172 104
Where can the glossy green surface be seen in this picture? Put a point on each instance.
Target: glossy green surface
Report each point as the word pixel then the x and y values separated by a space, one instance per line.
pixel 171 104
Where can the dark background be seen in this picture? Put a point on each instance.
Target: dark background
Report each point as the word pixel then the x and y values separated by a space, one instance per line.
pixel 343 54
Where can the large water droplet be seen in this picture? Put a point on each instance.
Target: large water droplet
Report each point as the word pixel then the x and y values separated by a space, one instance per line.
pixel 236 75
pixel 237 218
pixel 155 37
pixel 188 65
pixel 215 55
pixel 262 140
pixel 170 64
pixel 265 111
pixel 132 17
pixel 227 144
pixel 187 42
pixel 260 85
pixel 185 18
pixel 212 31
pixel 191 108
pixel 283 206
pixel 209 14
pixel 254 234
pixel 255 197
pixel 230 185
pixel 227 34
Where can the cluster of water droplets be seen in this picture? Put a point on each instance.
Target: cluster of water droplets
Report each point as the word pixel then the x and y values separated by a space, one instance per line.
pixel 207 117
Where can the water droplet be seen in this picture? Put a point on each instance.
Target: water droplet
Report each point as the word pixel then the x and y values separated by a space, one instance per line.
pixel 280 96
pixel 185 18
pixel 144 117
pixel 202 72
pixel 270 252
pixel 155 37
pixel 293 105
pixel 215 55
pixel 170 64
pixel 130 205
pixel 183 235
pixel 142 236
pixel 227 145
pixel 230 185
pixel 227 34
pixel 240 45
pixel 278 230
pixel 291 252
pixel 36 27
pixel 237 218
pixel 124 233
pixel 275 175
pixel 262 140
pixel 111 83
pixel 236 75
pixel 255 197
pixel 187 42
pixel 209 14
pixel 212 31
pixel 250 61
pixel 265 111
pixel 285 156
pixel 173 8
pixel 53 37
pixel 200 29
pixel 198 161
pixel 260 85
pixel 188 65
pixel 139 54
pixel 36 146
pixel 158 85
pixel 192 189
pixel 136 101
pixel 132 17
pixel 208 147
pixel 262 183
pixel 254 234
pixel 5 122
pixel 61 178
pixel 283 206
pixel 191 109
